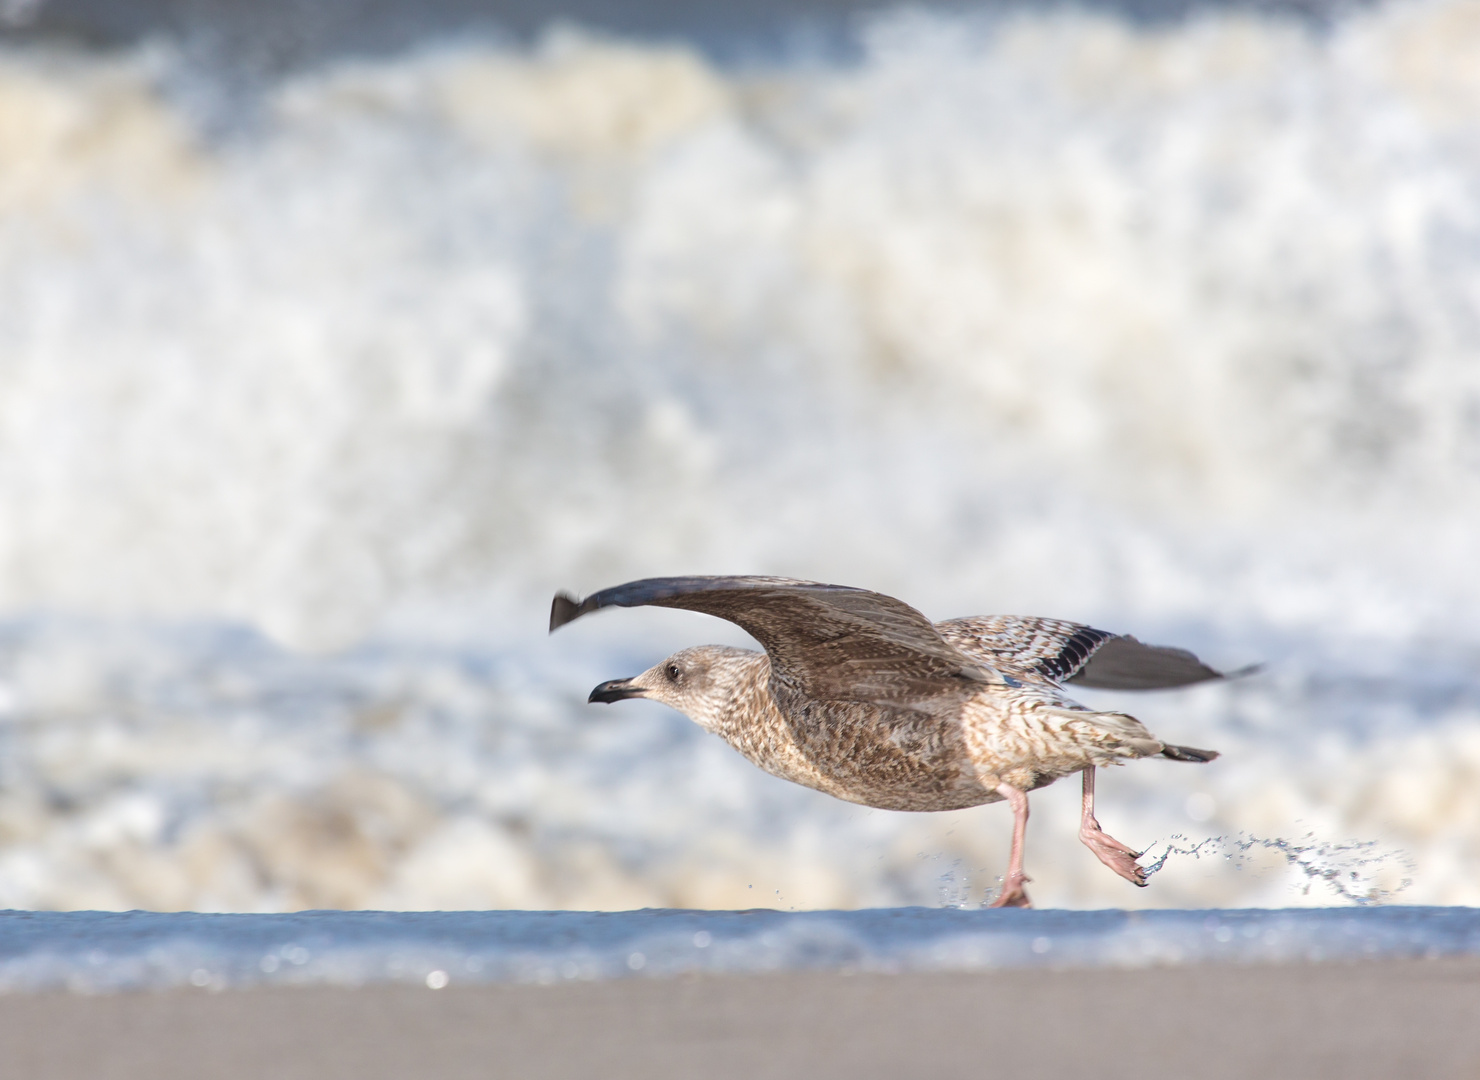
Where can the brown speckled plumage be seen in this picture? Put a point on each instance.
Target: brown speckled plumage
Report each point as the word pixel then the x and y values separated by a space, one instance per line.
pixel 860 696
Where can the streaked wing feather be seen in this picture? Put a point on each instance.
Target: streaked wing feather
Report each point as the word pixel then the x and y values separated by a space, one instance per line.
pixel 832 642
pixel 1027 647
pixel 1068 652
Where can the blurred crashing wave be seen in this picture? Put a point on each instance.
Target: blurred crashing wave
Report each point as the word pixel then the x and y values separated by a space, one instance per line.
pixel 1168 326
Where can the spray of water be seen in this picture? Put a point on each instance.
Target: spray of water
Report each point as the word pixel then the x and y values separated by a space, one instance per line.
pixel 1351 869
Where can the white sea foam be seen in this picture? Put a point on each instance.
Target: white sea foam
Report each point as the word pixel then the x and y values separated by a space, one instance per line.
pixel 1171 329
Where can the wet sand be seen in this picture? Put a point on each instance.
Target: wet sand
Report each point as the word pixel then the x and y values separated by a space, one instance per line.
pixel 1353 1020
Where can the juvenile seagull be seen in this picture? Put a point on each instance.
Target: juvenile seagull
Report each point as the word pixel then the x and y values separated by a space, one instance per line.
pixel 862 697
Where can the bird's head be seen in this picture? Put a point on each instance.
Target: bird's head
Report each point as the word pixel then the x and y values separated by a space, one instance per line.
pixel 698 682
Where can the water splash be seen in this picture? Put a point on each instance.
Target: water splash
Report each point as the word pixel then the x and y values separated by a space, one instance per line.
pixel 955 884
pixel 1349 868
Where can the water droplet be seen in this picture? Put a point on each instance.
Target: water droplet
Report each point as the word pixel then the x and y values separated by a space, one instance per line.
pixel 702 939
pixel 636 961
pixel 436 980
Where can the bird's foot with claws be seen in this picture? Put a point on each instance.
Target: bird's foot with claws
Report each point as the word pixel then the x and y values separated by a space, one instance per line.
pixel 1013 893
pixel 1114 854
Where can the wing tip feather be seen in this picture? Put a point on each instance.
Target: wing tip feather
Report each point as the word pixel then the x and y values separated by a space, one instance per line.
pixel 1124 663
pixel 563 609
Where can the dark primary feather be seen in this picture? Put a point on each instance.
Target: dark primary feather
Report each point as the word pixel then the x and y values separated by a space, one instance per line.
pixel 1123 663
pixel 1069 652
pixel 831 642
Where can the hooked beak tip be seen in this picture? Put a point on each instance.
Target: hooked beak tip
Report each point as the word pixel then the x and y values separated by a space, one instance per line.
pixel 615 690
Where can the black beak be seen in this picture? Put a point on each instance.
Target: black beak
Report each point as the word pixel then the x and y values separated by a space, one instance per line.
pixel 616 690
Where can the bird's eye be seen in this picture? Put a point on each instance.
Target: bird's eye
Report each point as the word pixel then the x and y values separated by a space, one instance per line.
pixel 673 672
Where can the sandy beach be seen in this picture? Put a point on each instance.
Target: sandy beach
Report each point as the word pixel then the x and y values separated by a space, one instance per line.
pixel 1369 1019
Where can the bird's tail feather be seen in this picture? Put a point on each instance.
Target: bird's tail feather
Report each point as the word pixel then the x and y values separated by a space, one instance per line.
pixel 1188 753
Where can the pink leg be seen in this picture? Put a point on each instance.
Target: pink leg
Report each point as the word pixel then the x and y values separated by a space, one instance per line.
pixel 1107 849
pixel 1013 893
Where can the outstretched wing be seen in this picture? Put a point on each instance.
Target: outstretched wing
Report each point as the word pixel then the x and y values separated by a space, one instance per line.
pixel 1068 652
pixel 830 641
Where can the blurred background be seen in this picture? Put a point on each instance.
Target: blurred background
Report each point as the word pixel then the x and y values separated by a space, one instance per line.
pixel 335 337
